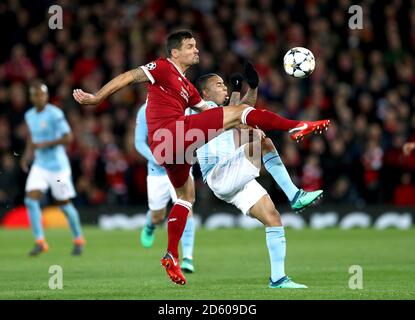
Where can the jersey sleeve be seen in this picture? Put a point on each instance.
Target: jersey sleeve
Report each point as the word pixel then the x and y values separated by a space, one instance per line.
pixel 61 125
pixel 195 100
pixel 141 135
pixel 155 70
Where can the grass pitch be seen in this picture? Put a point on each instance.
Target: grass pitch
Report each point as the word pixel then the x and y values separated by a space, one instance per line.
pixel 230 264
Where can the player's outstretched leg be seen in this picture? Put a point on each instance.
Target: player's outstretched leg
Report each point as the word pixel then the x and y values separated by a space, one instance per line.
pixel 35 216
pixel 74 223
pixel 299 199
pixel 268 121
pixel 188 239
pixel 265 211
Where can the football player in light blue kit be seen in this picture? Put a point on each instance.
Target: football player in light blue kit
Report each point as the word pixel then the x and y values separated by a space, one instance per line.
pixel 159 193
pixel 49 133
pixel 231 162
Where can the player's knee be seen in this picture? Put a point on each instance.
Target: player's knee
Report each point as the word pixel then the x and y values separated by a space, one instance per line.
pixel 63 202
pixel 233 115
pixel 35 195
pixel 243 106
pixel 273 219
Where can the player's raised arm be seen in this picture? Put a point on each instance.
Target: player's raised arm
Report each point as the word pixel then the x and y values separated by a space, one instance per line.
pixel 253 80
pixel 236 84
pixel 136 75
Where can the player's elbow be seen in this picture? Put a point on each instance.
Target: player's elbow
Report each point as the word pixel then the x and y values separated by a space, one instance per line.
pixel 68 138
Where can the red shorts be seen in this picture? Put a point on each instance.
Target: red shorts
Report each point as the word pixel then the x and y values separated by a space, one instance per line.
pixel 174 145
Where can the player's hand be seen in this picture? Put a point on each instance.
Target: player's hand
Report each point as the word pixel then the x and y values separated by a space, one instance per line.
pixel 408 147
pixel 24 164
pixel 236 82
pixel 251 75
pixel 84 97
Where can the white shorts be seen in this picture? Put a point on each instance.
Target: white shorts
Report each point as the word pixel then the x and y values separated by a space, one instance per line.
pixel 60 182
pixel 159 192
pixel 233 180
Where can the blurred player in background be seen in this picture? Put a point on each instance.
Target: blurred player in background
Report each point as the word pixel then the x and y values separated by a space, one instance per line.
pixel 49 132
pixel 159 193
pixel 170 93
pixel 230 163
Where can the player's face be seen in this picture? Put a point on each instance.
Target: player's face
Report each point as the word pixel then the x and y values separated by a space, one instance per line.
pixel 188 54
pixel 216 90
pixel 39 97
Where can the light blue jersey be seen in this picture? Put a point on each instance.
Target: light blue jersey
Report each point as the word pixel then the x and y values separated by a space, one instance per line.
pixel 215 150
pixel 48 125
pixel 141 143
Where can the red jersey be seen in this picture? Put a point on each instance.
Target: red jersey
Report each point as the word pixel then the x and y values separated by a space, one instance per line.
pixel 169 94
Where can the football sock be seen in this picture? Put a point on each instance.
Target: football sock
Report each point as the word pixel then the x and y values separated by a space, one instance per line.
pixel 35 217
pixel 188 238
pixel 149 224
pixel 73 218
pixel 266 120
pixel 274 165
pixel 276 247
pixel 175 225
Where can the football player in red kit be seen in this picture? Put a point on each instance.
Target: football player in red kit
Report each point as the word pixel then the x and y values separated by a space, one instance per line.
pixel 173 136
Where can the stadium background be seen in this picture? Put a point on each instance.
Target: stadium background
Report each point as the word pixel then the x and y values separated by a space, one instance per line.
pixel 363 82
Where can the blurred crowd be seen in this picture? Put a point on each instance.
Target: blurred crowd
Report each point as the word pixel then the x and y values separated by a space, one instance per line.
pixel 364 81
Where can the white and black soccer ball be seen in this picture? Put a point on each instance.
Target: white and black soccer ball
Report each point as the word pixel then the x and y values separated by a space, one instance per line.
pixel 299 62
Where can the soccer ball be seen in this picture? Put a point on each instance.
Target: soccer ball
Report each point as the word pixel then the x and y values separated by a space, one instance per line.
pixel 299 62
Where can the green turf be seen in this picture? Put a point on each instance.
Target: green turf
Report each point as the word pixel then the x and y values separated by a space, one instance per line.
pixel 230 264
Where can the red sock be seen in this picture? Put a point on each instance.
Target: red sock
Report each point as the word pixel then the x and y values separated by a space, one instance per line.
pixel 175 225
pixel 266 120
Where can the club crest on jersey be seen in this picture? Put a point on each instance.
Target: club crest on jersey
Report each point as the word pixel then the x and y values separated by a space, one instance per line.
pixel 151 65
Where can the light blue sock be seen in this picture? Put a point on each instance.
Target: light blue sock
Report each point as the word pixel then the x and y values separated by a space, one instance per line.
pixel 276 168
pixel 188 238
pixel 73 218
pixel 276 247
pixel 149 224
pixel 35 217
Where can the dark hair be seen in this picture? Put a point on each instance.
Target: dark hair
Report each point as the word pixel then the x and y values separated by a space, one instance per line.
pixel 202 80
pixel 175 39
pixel 38 85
